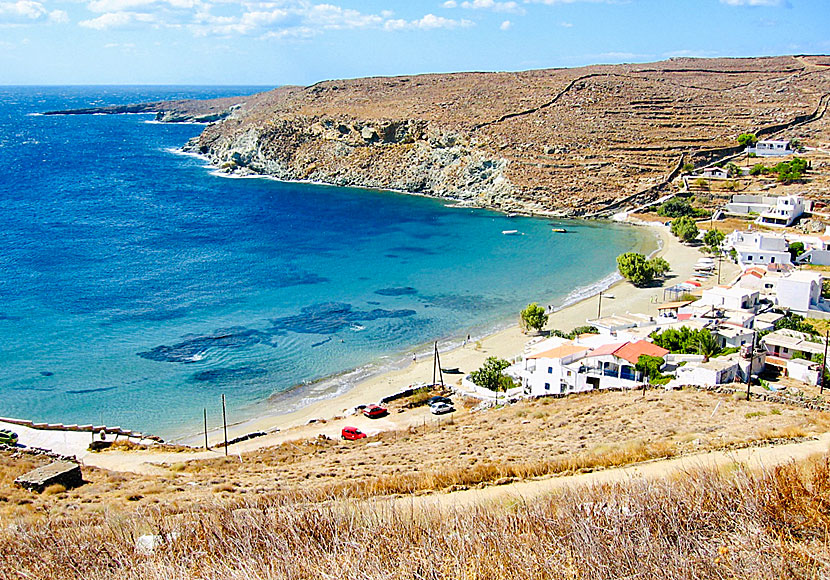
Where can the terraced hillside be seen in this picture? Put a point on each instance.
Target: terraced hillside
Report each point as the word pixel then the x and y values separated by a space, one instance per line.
pixel 568 141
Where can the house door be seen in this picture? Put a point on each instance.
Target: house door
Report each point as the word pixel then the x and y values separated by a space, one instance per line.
pixel 593 382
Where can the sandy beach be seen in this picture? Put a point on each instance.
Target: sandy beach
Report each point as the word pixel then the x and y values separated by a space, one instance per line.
pixel 508 344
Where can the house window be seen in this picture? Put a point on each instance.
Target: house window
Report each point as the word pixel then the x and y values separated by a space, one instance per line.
pixel 570 373
pixel 749 258
pixel 550 370
pixel 547 386
pixel 785 349
pixel 772 260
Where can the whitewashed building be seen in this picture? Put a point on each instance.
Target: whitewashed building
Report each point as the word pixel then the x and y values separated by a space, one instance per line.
pixel 758 249
pixel 730 298
pixel 800 291
pixel 771 148
pixel 787 209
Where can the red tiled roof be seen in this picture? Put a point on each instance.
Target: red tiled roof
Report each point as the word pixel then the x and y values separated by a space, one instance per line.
pixel 561 351
pixel 630 351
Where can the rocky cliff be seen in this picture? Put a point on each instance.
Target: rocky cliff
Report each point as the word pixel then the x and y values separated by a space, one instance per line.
pixel 564 141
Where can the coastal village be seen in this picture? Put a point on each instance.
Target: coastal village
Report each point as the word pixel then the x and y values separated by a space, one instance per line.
pixel 700 370
pixel 742 309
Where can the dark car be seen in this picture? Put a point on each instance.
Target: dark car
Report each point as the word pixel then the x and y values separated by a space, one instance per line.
pixel 375 411
pixel 439 399
pixel 352 433
pixel 8 437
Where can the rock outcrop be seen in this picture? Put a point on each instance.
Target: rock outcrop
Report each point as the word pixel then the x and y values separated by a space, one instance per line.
pixel 564 141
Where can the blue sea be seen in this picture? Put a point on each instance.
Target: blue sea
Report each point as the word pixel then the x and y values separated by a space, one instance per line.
pixel 137 287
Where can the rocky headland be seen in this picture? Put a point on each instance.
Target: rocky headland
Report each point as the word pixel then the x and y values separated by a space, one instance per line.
pixel 576 142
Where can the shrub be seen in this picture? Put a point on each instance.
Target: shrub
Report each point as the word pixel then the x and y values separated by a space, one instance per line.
pixel 685 228
pixel 534 317
pixel 635 268
pixel 747 139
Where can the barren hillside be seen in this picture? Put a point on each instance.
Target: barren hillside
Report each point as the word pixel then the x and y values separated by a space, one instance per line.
pixel 571 141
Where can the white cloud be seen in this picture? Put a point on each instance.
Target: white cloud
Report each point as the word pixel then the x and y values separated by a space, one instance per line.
pixel 552 2
pixel 493 5
pixel 753 2
pixel 118 20
pixel 428 22
pixel 506 25
pixel 566 24
pixel 22 11
pixel 450 4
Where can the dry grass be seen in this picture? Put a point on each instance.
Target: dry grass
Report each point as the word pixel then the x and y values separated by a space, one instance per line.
pixel 531 439
pixel 703 524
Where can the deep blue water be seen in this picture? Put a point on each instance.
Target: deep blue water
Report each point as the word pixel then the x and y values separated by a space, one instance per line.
pixel 136 287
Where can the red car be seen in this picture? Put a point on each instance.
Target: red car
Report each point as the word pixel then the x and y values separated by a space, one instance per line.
pixel 374 411
pixel 352 433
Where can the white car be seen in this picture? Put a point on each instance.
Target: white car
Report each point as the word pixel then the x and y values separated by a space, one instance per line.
pixel 439 408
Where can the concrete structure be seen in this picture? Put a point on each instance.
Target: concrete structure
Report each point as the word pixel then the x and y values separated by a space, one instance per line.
pixel 716 371
pixel 816 257
pixel 758 249
pixel 572 367
pixel 65 473
pixel 732 335
pixel 771 148
pixel 800 291
pixel 543 373
pixel 787 209
pixel 734 298
pixel 715 172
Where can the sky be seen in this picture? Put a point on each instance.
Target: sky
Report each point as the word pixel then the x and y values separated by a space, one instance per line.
pixel 278 42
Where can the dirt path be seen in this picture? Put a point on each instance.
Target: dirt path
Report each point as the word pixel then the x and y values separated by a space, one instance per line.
pixel 752 457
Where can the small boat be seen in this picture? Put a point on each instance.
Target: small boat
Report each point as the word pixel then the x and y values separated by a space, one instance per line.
pixel 608 296
pixel 559 230
pixel 510 232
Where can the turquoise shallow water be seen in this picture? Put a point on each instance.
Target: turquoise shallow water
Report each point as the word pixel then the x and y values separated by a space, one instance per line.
pixel 136 287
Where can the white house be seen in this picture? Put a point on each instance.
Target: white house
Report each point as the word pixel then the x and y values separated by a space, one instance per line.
pixel 787 209
pixel 771 148
pixel 733 335
pixel 715 172
pixel 612 366
pixel 757 248
pixel 574 368
pixel 544 372
pixel 734 298
pixel 799 291
pixel 716 371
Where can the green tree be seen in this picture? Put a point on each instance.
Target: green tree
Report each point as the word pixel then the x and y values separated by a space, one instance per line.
pixel 758 169
pixel 687 168
pixel 534 317
pixel 713 239
pixel 650 366
pixel 658 265
pixel 635 268
pixel 795 322
pixel 676 207
pixel 747 139
pixel 796 249
pixel 707 344
pixel 491 375
pixel 732 170
pixel 685 228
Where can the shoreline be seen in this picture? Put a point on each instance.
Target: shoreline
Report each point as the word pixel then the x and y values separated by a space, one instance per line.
pixel 507 342
pixel 327 416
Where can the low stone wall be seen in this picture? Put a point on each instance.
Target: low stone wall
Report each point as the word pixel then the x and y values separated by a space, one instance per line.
pixel 81 428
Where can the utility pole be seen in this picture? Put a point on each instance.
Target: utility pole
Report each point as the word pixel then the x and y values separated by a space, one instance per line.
pixel 436 364
pixel 720 258
pixel 206 439
pixel 824 362
pixel 225 422
pixel 751 361
pixel 599 305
